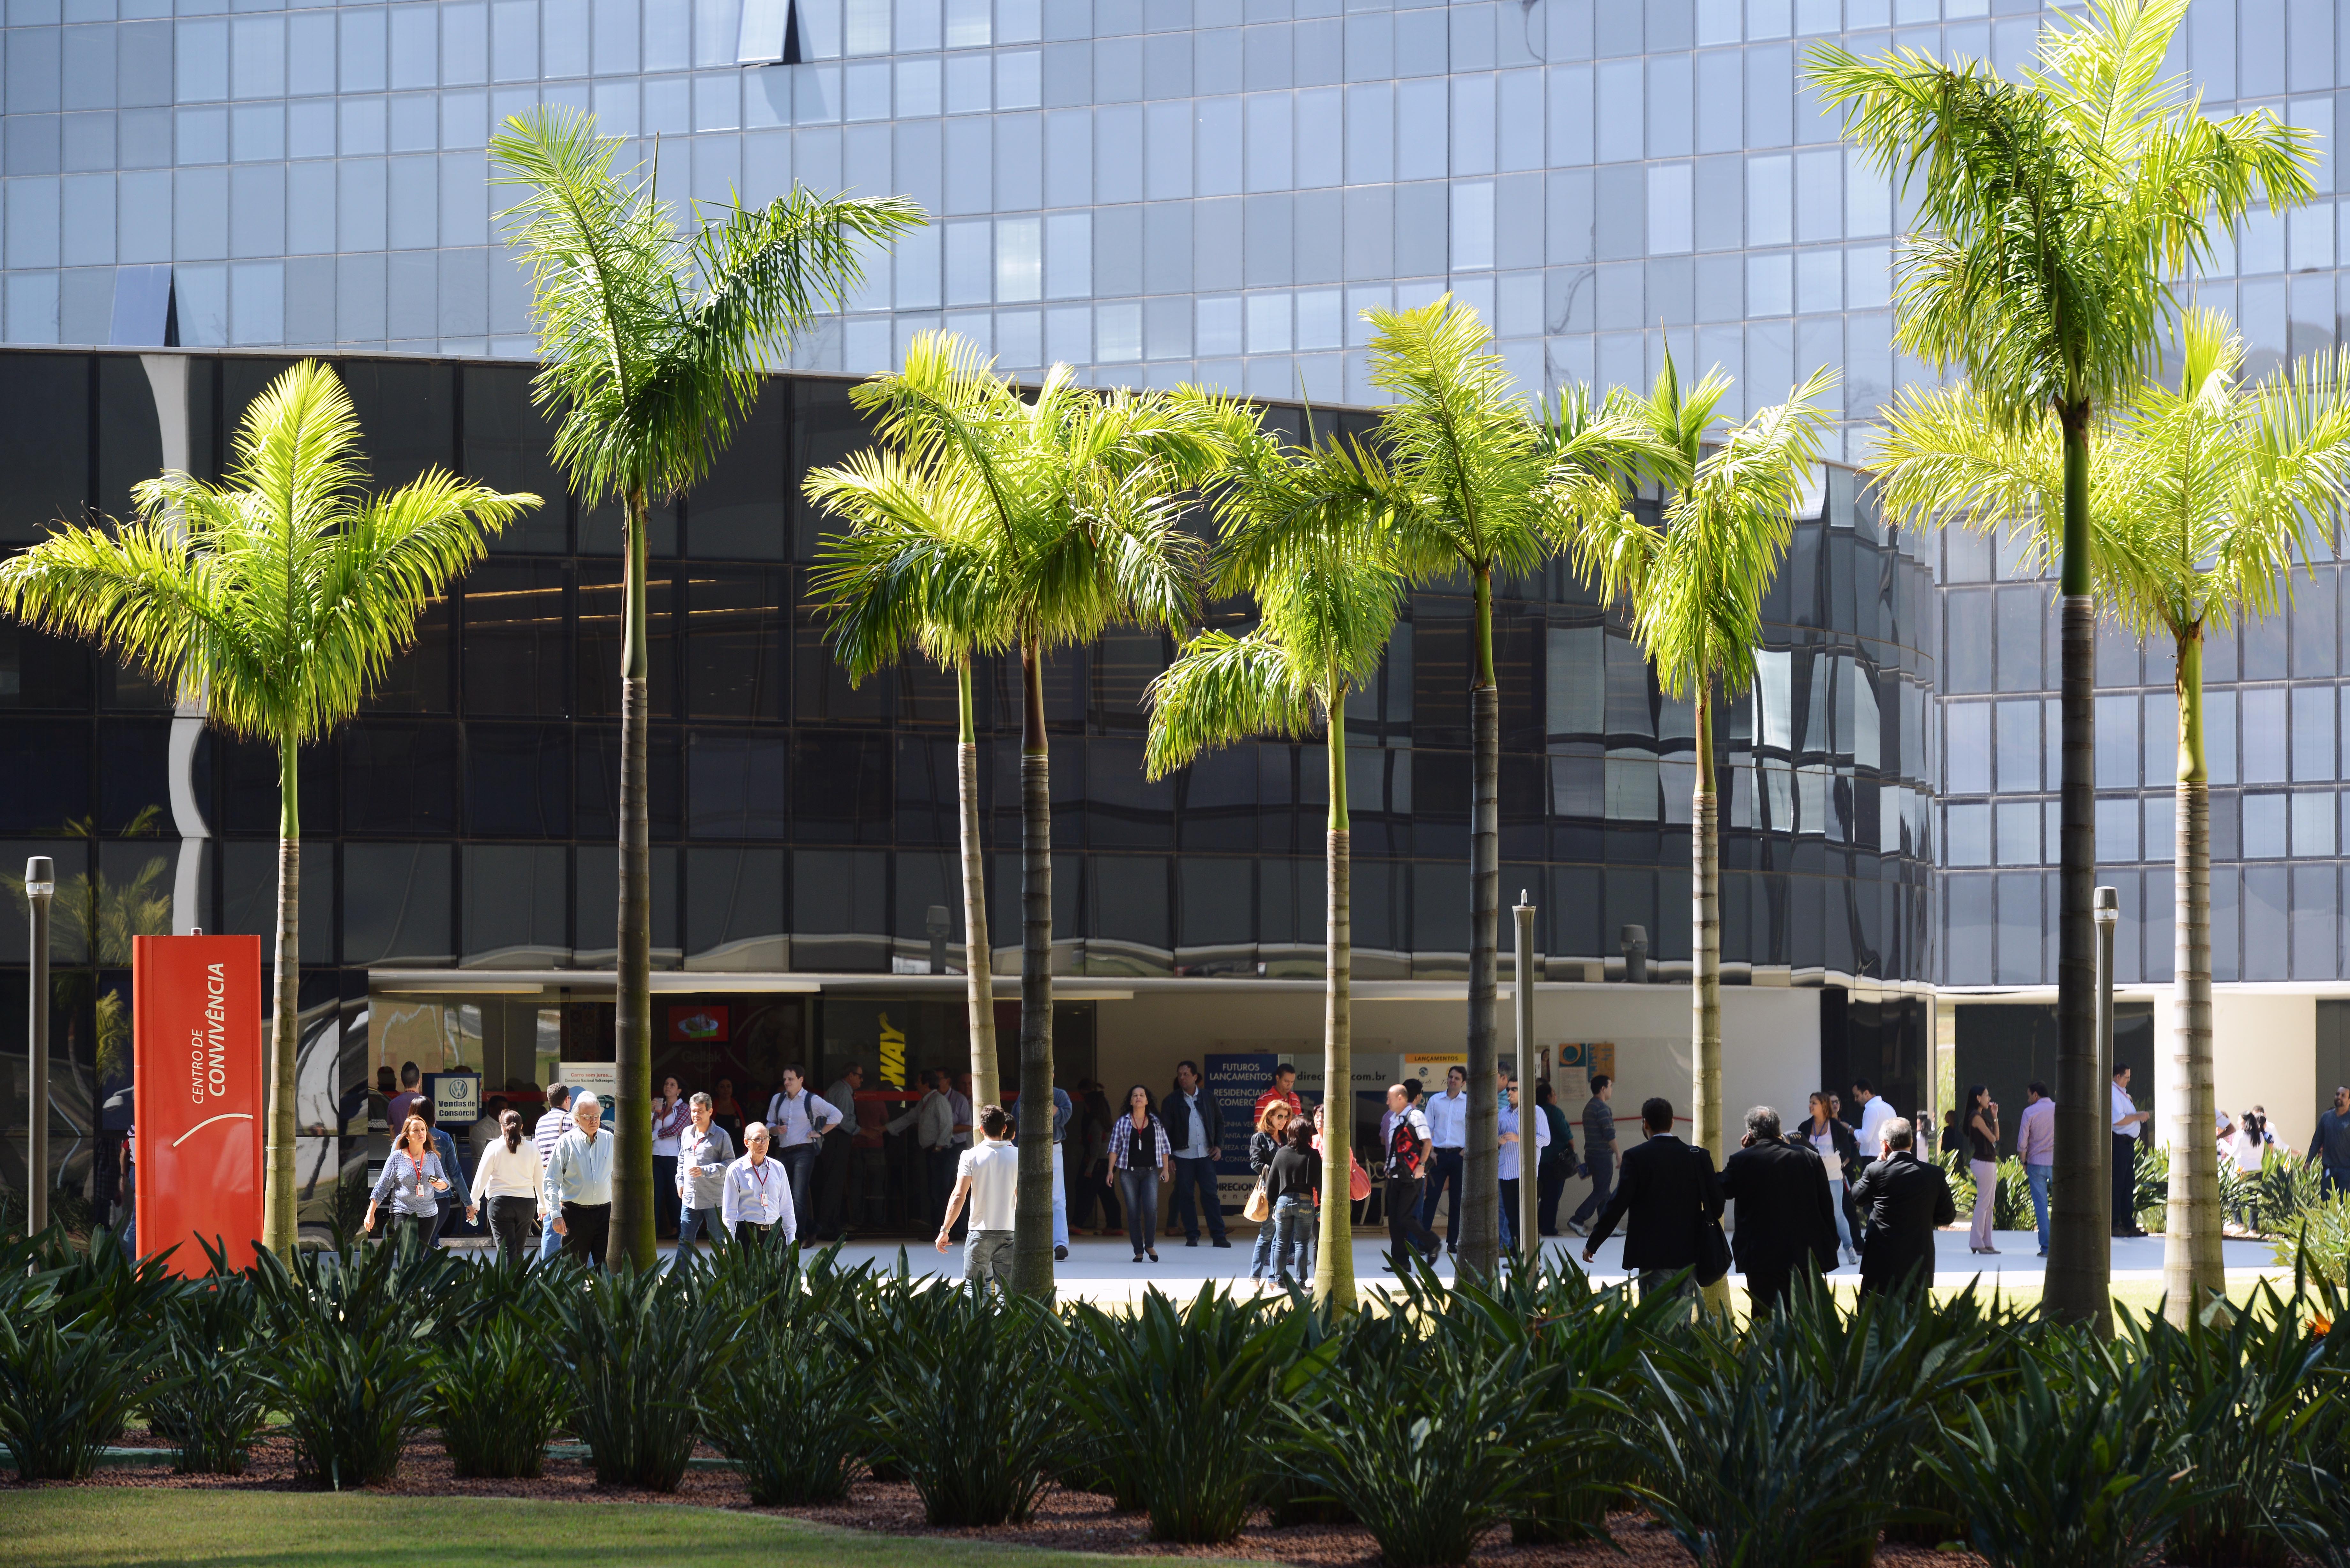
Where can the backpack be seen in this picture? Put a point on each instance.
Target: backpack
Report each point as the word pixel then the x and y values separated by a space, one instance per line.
pixel 1405 1152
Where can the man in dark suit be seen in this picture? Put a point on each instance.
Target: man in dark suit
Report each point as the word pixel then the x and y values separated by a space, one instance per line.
pixel 1905 1198
pixel 1786 1216
pixel 1668 1190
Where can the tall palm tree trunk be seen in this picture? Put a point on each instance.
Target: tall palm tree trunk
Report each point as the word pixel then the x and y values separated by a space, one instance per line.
pixel 1481 1207
pixel 633 1030
pixel 1705 938
pixel 979 960
pixel 2079 1265
pixel 2192 1267
pixel 1031 1236
pixel 1334 1269
pixel 280 1227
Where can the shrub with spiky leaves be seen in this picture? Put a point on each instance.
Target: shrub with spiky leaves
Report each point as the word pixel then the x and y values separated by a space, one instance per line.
pixel 958 1409
pixel 640 1344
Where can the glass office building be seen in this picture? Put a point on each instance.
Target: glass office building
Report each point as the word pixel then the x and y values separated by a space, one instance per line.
pixel 1154 190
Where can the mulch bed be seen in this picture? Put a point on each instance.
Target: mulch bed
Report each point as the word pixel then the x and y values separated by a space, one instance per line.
pixel 1064 1521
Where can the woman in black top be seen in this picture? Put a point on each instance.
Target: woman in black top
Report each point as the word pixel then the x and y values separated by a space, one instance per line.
pixel 1979 1127
pixel 1139 1153
pixel 1264 1143
pixel 1296 1173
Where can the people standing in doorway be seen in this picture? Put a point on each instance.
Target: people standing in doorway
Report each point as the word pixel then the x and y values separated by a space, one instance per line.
pixel 1513 1158
pixel 1263 1146
pixel 797 1122
pixel 1839 1154
pixel 703 1152
pixel 2035 1147
pixel 579 1184
pixel 1670 1189
pixel 1786 1215
pixel 414 1178
pixel 1195 1130
pixel 670 1118
pixel 934 1131
pixel 987 1176
pixel 1404 1146
pixel 1284 1089
pixel 756 1196
pixel 1139 1153
pixel 1598 1153
pixel 1296 1172
pixel 2329 1147
pixel 1906 1200
pixel 1448 1130
pixel 1557 1162
pixel 552 1123
pixel 1980 1127
pixel 508 1177
pixel 2127 1119
pixel 840 1143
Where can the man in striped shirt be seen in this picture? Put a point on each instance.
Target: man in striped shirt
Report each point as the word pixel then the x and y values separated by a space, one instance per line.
pixel 552 1123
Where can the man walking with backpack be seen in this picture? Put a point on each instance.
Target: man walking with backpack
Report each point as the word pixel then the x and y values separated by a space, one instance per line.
pixel 1406 1156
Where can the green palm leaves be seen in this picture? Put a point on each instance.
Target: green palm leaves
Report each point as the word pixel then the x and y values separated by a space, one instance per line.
pixel 275 599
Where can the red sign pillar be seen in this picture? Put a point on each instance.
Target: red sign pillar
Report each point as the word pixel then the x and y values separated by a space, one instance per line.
pixel 199 1095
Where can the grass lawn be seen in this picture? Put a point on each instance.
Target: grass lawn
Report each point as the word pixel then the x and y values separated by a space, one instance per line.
pixel 83 1527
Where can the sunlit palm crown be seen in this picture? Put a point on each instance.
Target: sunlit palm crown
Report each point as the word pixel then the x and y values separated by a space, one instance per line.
pixel 278 597
pixel 989 517
pixel 2201 498
pixel 2051 207
pixel 654 341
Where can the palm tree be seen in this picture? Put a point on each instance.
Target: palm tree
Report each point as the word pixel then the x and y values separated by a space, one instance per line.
pixel 654 343
pixel 1475 485
pixel 1696 593
pixel 1027 523
pixel 276 598
pixel 1304 533
pixel 2052 210
pixel 2200 501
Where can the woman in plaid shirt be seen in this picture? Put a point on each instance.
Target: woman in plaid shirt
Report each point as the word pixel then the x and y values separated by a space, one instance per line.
pixel 1139 1153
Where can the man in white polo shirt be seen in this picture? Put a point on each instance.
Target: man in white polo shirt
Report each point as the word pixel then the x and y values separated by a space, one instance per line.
pixel 1876 1110
pixel 988 1178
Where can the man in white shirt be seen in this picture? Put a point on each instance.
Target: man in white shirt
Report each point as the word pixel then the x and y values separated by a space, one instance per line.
pixel 934 1131
pixel 1448 1136
pixel 2127 1118
pixel 1876 1110
pixel 552 1123
pixel 988 1178
pixel 796 1123
pixel 1512 1158
pixel 757 1197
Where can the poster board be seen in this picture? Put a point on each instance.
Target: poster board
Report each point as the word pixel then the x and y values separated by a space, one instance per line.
pixel 199 1097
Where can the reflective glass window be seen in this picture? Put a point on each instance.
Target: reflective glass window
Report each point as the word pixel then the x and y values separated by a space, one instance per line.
pixel 2264 826
pixel 737 644
pixel 596 903
pixel 516 905
pixel 2117 742
pixel 518 781
pixel 399 778
pixel 516 656
pixel 2313 825
pixel 2313 732
pixel 2266 735
pixel 737 785
pixel 395 903
pixel 2021 615
pixel 840 909
pixel 2018 746
pixel 596 690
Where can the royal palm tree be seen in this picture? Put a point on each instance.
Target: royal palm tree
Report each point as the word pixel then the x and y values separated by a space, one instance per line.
pixel 1303 531
pixel 1046 518
pixel 2200 501
pixel 1696 589
pixel 654 341
pixel 275 599
pixel 2052 209
pixel 1475 483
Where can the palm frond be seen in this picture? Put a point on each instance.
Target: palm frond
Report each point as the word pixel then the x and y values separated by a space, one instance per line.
pixel 1223 689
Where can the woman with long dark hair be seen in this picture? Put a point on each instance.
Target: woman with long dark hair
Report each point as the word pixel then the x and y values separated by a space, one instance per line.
pixel 1296 1174
pixel 1839 1154
pixel 414 1178
pixel 509 1175
pixel 1978 1125
pixel 1140 1156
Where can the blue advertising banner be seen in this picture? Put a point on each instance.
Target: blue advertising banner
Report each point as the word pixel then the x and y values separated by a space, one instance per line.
pixel 1235 1078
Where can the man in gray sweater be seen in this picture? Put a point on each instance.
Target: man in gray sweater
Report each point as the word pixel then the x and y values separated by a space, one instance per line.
pixel 1598 1153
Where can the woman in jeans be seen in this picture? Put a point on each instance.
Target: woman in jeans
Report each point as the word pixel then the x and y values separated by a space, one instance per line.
pixel 414 1178
pixel 1296 1172
pixel 509 1175
pixel 1840 1151
pixel 1139 1153
pixel 1980 1130
pixel 1264 1143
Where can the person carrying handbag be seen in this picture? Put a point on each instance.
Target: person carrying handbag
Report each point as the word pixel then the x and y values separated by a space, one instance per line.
pixel 1272 1129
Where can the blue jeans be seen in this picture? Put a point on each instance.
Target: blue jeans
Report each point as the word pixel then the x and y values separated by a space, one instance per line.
pixel 694 1223
pixel 2038 1175
pixel 1060 1202
pixel 1197 1177
pixel 1261 1256
pixel 549 1244
pixel 1844 1226
pixel 1293 1220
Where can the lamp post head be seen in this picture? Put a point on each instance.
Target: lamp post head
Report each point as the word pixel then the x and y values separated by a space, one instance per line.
pixel 2106 907
pixel 40 877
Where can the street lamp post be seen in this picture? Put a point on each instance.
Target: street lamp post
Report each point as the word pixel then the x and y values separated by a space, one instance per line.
pixel 1529 1140
pixel 2105 906
pixel 40 885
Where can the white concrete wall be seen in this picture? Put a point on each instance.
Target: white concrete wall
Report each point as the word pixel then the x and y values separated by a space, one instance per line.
pixel 2263 1052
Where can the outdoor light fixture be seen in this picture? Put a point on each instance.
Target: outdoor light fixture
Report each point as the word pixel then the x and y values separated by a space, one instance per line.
pixel 938 927
pixel 40 886
pixel 1634 941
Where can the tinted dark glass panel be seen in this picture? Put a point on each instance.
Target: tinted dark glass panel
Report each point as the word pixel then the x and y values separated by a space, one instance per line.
pixel 734 908
pixel 241 381
pixel 1440 667
pixel 738 512
pixel 248 775
pixel 518 904
pixel 130 440
pixel 821 692
pixel 1126 662
pixel 840 902
pixel 518 648
pixel 597 801
pixel 43 775
pixel 37 670
pixel 249 896
pixel 596 693
pixel 825 430
pixel 400 778
pixel 737 786
pixel 518 781
pixel 1123 807
pixel 841 788
pixel 929 808
pixel 600 528
pixel 416 681
pixel 1216 897
pixel 1218 796
pixel 596 905
pixel 737 643
pixel 395 903
pixel 1128 915
pixel 927 695
pixel 507 441
pixel 134 788
pixel 43 443
pixel 407 417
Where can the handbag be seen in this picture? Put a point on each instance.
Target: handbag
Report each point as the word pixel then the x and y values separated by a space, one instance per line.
pixel 1358 1182
pixel 1712 1246
pixel 1258 1208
